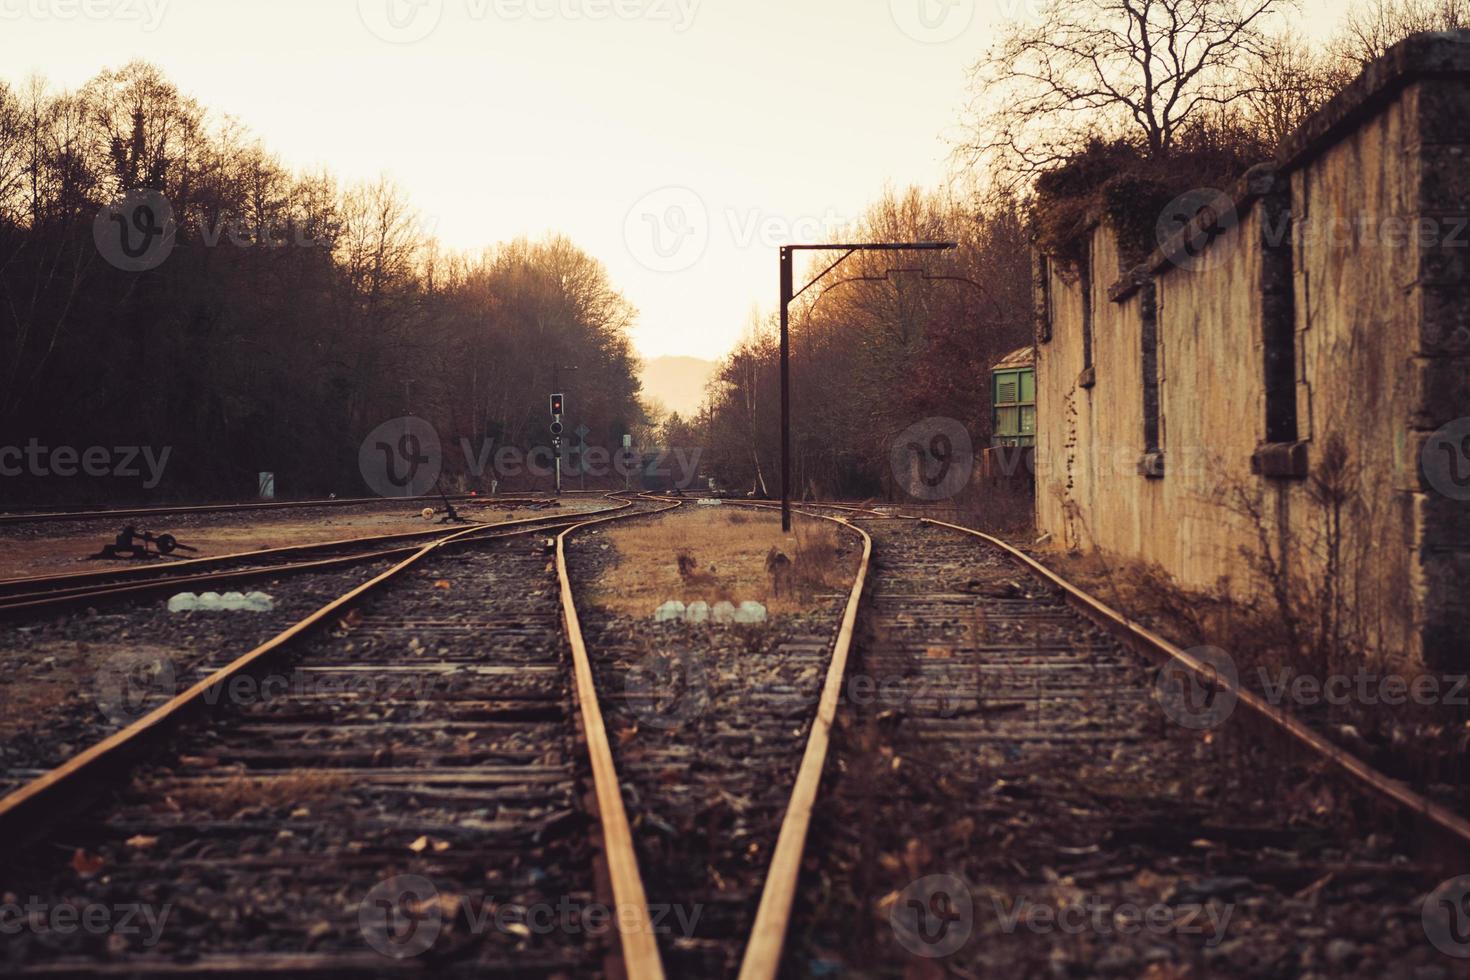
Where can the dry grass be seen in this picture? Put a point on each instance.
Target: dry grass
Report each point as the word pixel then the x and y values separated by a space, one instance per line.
pixel 228 796
pixel 1423 743
pixel 715 554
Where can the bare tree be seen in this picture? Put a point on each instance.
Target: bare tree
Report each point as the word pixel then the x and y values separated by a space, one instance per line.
pixel 15 148
pixel 1373 26
pixel 1288 81
pixel 152 131
pixel 36 170
pixel 1133 69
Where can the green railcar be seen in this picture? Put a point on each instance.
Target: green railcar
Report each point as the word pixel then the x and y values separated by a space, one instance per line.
pixel 1013 400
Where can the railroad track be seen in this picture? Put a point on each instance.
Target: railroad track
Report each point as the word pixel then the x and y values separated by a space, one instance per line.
pixel 1010 698
pixel 1022 762
pixel 1018 759
pixel 74 590
pixel 454 757
pixel 127 513
pixel 711 724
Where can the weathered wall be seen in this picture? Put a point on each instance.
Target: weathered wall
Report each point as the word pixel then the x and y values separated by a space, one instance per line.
pixel 1376 301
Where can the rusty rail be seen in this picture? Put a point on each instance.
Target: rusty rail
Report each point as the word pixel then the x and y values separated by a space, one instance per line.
pixel 641 959
pixel 1447 830
pixel 26 595
pixel 98 515
pixel 762 958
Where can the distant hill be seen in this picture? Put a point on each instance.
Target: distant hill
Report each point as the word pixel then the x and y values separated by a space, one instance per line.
pixel 677 383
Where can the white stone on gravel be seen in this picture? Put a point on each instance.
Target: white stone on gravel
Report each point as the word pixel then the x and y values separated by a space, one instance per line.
pixel 697 612
pixel 214 602
pixel 183 602
pixel 750 612
pixel 669 612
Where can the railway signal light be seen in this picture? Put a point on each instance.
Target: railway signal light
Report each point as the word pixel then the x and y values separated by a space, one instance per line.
pixel 558 408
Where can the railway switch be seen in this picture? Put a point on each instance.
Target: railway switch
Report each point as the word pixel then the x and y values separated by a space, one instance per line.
pixel 133 545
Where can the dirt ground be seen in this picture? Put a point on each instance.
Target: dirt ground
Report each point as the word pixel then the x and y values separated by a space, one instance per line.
pixel 64 546
pixel 724 551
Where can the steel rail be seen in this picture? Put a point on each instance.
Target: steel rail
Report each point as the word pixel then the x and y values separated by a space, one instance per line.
pixel 10 585
pixel 1446 829
pixel 25 808
pixel 40 583
pixel 72 596
pixel 43 598
pixel 99 515
pixel 641 959
pixel 774 505
pixel 762 958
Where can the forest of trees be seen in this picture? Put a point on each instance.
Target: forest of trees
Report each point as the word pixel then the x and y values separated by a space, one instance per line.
pixel 1143 98
pixel 295 315
pixel 292 317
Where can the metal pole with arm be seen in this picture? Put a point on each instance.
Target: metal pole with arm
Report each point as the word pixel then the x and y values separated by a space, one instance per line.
pixel 788 294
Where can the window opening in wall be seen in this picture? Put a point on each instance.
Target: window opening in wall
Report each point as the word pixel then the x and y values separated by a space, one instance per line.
pixel 1281 454
pixel 1089 371
pixel 1153 449
pixel 1043 298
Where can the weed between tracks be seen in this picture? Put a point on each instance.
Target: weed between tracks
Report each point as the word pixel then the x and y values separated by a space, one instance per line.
pixel 231 794
pixel 1421 743
pixel 721 554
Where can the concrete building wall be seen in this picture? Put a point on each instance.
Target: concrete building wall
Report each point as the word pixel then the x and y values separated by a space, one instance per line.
pixel 1350 254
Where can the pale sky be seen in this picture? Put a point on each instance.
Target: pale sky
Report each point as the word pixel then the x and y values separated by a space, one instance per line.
pixel 678 141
